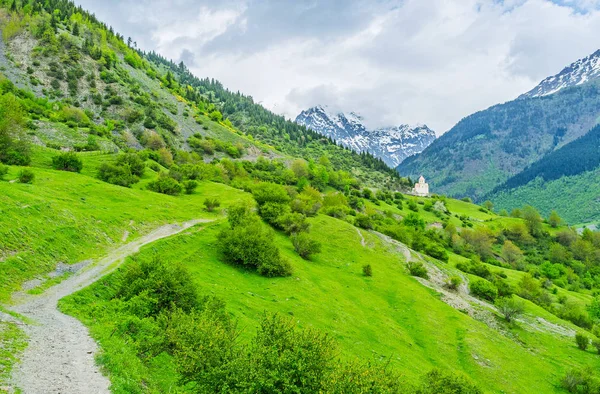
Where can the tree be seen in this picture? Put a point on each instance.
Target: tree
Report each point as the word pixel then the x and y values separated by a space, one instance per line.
pixel 554 220
pixel 14 149
pixel 510 307
pixel 367 270
pixel 488 205
pixel 533 220
pixel 511 253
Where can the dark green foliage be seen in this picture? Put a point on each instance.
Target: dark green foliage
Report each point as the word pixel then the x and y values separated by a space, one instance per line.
pixel 166 185
pixel 574 158
pixel 454 282
pixel 437 252
pixel 293 223
pixel 248 243
pixel 581 381
pixel 189 186
pixel 582 341
pixel 305 246
pixel 117 175
pixel 156 286
pixel 481 288
pixel 3 171
pixel 14 149
pixel 363 221
pixel 26 176
pixel 439 382
pixel 509 307
pixel 211 204
pixel 367 270
pixel 416 268
pixel 68 161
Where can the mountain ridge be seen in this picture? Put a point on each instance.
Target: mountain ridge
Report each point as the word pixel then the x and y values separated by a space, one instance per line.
pixel 392 144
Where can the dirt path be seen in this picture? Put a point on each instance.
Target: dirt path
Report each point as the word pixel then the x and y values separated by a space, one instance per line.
pixel 60 354
pixel 362 238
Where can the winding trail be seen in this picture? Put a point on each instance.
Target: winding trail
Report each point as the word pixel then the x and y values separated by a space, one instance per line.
pixel 60 354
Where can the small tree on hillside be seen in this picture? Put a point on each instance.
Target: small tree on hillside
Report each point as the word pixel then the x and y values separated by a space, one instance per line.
pixel 511 253
pixel 510 307
pixel 582 341
pixel 554 220
pixel 211 203
pixel 367 270
pixel 533 220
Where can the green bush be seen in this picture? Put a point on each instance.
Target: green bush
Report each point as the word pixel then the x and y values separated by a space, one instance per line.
pixel 510 307
pixel 363 221
pixel 582 341
pixel 293 223
pixel 581 381
pixel 416 268
pixel 305 246
pixel 367 270
pixel 165 185
pixel 67 161
pixel 483 289
pixel 248 243
pixel 3 170
pixel 454 282
pixel 211 203
pixel 596 344
pixel 117 175
pixel 189 186
pixel 437 252
pixel 26 176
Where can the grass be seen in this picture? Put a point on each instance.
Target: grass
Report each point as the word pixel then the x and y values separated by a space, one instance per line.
pixel 13 341
pixel 389 316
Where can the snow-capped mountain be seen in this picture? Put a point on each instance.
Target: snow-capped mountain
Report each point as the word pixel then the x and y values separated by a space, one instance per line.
pixel 583 70
pixel 391 144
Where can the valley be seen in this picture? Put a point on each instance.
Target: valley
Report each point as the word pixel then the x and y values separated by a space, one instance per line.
pixel 161 233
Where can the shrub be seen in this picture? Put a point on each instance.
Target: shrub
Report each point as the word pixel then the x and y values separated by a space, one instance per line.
pixel 26 176
pixel 305 246
pixel 293 223
pixel 248 243
pixel 166 185
pixel 596 344
pixel 211 203
pixel 439 382
pixel 453 282
pixel 363 221
pixel 582 341
pixel 68 161
pixel 3 170
pixel 416 268
pixel 483 289
pixel 190 186
pixel 437 252
pixel 272 211
pixel 510 307
pixel 367 270
pixel 581 381
pixel 117 175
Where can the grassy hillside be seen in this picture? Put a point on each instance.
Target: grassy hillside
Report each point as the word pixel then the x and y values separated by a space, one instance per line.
pixel 389 317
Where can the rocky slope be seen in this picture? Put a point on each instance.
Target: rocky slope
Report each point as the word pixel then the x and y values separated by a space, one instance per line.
pixel 392 144
pixel 577 73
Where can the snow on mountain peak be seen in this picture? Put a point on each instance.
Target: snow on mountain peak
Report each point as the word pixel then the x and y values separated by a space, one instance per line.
pixel 392 144
pixel 577 73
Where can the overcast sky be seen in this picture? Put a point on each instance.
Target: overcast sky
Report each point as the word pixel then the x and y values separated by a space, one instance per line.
pixel 411 61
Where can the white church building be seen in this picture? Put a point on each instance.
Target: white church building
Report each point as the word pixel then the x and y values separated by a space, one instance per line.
pixel 421 188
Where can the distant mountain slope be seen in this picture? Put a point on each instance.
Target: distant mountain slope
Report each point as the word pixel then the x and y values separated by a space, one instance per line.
pixel 391 144
pixel 566 180
pixel 576 73
pixel 485 149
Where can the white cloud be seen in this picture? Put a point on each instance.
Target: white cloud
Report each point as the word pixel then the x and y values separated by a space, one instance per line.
pixel 428 61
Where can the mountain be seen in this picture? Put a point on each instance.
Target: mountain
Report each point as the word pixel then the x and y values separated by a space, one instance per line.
pixel 575 74
pixel 200 243
pixel 486 149
pixel 391 144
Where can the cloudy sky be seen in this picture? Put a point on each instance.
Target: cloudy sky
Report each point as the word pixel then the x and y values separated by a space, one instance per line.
pixel 394 61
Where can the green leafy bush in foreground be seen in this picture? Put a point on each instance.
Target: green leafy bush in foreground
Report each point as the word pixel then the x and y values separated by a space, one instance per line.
pixel 67 161
pixel 483 289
